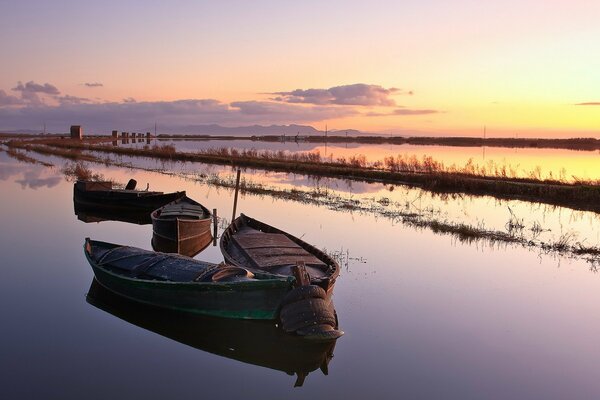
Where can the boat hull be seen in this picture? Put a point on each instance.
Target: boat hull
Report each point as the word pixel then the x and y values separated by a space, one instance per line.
pixel 183 236
pixel 187 247
pixel 240 300
pixel 123 200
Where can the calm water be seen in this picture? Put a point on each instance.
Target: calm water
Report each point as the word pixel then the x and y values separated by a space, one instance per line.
pixel 551 162
pixel 425 316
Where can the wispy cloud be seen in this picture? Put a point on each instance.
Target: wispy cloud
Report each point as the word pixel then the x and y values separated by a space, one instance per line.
pixel 67 99
pixel 403 111
pixel 290 112
pixel 358 94
pixel 591 103
pixel 93 84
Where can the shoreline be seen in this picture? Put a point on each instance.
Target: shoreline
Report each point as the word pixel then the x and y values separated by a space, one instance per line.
pixel 578 144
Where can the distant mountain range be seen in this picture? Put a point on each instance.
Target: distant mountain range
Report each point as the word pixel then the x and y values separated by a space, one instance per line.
pixel 254 130
pixel 218 130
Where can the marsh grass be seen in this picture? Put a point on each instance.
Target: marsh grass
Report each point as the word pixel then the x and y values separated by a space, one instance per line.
pixel 80 171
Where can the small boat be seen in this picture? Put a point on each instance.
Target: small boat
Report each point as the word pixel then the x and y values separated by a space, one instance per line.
pixel 183 226
pixel 256 246
pixel 182 283
pixel 260 343
pixel 93 194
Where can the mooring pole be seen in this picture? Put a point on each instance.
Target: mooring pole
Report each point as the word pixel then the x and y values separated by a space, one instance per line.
pixel 215 223
pixel 235 197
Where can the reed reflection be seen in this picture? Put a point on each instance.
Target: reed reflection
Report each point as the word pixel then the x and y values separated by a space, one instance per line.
pixel 259 343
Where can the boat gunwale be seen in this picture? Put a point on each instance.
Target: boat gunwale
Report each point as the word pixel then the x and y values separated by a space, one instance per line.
pixel 272 280
pixel 155 217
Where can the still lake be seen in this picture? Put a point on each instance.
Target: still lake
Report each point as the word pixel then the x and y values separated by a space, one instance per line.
pixel 425 315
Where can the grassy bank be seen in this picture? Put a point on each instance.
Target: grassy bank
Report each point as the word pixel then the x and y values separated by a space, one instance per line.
pixel 588 144
pixel 425 173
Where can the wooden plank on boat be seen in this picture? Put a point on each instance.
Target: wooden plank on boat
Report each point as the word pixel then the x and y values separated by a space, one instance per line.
pixel 264 240
pixel 271 257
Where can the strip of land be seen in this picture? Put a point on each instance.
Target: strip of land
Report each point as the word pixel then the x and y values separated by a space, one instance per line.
pixel 584 144
pixel 429 175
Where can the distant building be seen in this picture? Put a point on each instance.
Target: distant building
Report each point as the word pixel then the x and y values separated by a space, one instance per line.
pixel 115 134
pixel 76 132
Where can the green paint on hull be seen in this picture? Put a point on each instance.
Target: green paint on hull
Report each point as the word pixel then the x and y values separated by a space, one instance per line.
pixel 258 299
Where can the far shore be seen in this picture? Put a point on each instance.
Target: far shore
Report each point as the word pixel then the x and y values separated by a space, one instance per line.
pixel 583 144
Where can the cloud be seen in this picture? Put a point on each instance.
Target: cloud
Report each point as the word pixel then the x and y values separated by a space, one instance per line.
pixel 358 94
pixel 407 111
pixel 30 91
pixel 33 87
pixel 591 103
pixel 8 100
pixel 403 111
pixel 99 117
pixel 287 111
pixel 93 84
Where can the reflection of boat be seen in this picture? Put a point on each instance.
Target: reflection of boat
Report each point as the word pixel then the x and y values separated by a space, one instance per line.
pixel 182 226
pixel 252 244
pixel 254 342
pixel 179 282
pixel 101 213
pixel 89 193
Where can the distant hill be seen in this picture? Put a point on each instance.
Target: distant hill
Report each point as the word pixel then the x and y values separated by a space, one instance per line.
pixel 253 130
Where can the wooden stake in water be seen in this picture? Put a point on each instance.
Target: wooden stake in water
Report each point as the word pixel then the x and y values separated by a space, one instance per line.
pixel 237 188
pixel 215 223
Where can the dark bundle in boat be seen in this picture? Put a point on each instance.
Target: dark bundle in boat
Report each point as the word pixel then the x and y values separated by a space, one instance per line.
pixel 183 283
pixel 183 226
pixel 252 244
pixel 259 343
pixel 94 194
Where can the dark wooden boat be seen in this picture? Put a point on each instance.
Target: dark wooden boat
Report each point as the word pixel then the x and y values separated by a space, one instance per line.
pixel 183 226
pixel 259 343
pixel 252 244
pixel 92 194
pixel 182 283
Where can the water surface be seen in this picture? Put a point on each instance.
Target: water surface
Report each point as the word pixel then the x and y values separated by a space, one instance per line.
pixel 425 316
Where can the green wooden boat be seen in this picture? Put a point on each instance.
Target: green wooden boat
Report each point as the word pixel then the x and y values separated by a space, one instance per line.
pixel 182 283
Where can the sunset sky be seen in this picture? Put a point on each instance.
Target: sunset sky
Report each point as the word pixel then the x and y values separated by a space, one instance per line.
pixel 526 67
